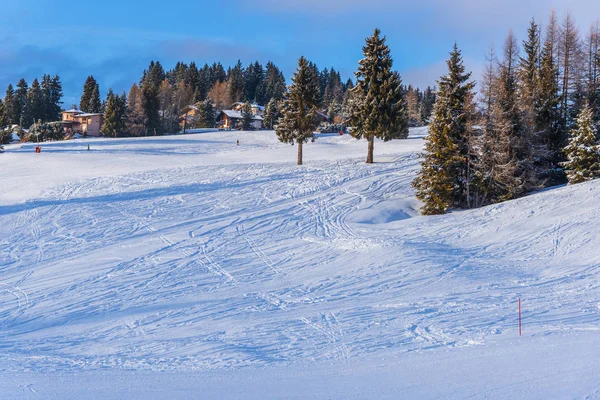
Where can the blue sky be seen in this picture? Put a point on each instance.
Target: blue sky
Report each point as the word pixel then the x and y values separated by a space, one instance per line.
pixel 115 40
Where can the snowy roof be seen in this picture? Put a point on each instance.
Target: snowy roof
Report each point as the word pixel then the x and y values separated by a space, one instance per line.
pixel 73 111
pixel 89 114
pixel 238 115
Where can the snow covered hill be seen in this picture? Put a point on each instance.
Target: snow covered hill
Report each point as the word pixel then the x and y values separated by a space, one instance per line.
pixel 186 265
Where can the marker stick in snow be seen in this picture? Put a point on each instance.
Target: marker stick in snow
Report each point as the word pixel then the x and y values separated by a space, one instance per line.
pixel 520 326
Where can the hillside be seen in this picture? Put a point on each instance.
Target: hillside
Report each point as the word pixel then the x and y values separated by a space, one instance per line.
pixel 186 265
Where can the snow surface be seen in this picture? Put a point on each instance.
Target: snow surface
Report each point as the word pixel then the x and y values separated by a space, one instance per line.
pixel 189 267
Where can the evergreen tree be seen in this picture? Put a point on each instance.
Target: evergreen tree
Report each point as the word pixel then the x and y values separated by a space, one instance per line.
pixel 446 177
pixel 115 115
pixel 94 105
pixel 3 122
pixel 270 115
pixel 35 98
pixel 90 98
pixel 11 110
pixel 273 86
pixel 529 66
pixel 378 108
pixel 247 117
pixel 53 103
pixel 151 81
pixel 235 83
pixel 298 121
pixel 22 104
pixel 208 116
pixel 512 173
pixel 136 116
pixel 583 151
pixel 254 76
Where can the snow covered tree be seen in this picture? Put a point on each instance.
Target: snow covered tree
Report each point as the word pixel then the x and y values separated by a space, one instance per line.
pixel 378 107
pixel 115 115
pixel 247 117
pixel 299 112
pixel 270 115
pixel 446 176
pixel 583 151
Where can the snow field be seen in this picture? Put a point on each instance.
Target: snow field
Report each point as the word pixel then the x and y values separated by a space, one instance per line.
pixel 190 258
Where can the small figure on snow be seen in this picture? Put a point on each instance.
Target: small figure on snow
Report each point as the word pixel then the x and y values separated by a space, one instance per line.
pixel 238 142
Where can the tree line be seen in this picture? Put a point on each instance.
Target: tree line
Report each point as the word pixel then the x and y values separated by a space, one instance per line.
pixel 534 124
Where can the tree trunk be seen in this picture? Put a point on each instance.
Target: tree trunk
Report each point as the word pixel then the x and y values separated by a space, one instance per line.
pixel 371 148
pixel 300 152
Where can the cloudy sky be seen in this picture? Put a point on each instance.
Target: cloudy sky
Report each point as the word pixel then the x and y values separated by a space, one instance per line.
pixel 114 40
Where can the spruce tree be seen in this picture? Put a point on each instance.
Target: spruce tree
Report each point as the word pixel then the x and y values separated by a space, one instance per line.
pixel 115 115
pixel 136 117
pixel 583 151
pixel 512 173
pixel 10 107
pixel 35 97
pixel 150 86
pixel 235 83
pixel 208 115
pixel 54 100
pixel 95 105
pixel 247 117
pixel 446 177
pixel 378 108
pixel 271 114
pixel 90 91
pixel 2 116
pixel 299 112
pixel 22 104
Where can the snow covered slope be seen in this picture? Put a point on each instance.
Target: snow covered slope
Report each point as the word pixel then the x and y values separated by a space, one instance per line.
pixel 186 264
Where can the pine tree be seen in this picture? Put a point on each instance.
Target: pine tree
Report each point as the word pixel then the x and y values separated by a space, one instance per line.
pixel 583 151
pixel 150 86
pixel 2 116
pixel 235 83
pixel 378 108
pixel 208 115
pixel 90 98
pixel 94 105
pixel 270 115
pixel 115 115
pixel 35 98
pixel 53 103
pixel 22 104
pixel 11 110
pixel 446 177
pixel 547 120
pixel 136 117
pixel 298 121
pixel 512 173
pixel 247 117
pixel 528 72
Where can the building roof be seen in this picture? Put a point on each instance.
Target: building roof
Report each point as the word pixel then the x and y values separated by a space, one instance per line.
pixel 238 115
pixel 73 111
pixel 89 114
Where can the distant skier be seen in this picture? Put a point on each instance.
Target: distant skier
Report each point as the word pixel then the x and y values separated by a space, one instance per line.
pixel 88 147
pixel 238 142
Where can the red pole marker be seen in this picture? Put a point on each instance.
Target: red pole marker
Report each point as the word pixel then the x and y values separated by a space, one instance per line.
pixel 520 326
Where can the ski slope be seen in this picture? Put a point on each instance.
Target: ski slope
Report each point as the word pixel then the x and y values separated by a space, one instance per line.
pixel 186 265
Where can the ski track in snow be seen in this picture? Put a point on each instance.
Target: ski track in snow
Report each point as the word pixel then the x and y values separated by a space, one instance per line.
pixel 226 266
